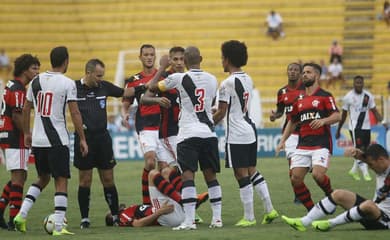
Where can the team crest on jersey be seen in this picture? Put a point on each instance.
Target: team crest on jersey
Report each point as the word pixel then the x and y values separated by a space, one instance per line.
pixel 315 103
pixel 102 103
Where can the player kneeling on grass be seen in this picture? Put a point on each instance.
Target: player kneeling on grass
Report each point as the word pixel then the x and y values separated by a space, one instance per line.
pixel 166 209
pixel 372 214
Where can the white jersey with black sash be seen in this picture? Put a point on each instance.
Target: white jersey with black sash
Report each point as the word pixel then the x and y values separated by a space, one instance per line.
pixel 197 90
pixel 49 92
pixel 236 91
pixel 359 105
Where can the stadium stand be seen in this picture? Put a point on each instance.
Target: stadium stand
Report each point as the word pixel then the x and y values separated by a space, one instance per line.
pixel 99 28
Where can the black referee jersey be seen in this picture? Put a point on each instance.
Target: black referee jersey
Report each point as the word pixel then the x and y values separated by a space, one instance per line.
pixel 92 103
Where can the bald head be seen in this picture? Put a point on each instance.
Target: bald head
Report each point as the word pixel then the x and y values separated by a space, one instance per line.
pixel 192 56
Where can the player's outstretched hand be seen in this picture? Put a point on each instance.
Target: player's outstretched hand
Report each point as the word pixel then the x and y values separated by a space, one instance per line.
pixel 83 148
pixel 166 208
pixel 279 148
pixel 317 123
pixel 27 140
pixel 354 152
pixel 272 117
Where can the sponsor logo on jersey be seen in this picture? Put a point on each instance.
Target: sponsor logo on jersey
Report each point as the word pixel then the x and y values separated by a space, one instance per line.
pixel 310 116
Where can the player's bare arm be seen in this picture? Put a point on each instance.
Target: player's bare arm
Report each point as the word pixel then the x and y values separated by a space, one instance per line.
pixel 26 123
pixel 149 98
pixel 164 63
pixel 333 118
pixel 341 123
pixel 287 132
pixel 78 124
pixel 221 112
pixel 275 115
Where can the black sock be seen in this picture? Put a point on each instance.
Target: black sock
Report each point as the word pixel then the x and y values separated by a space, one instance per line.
pixel 83 197
pixel 111 196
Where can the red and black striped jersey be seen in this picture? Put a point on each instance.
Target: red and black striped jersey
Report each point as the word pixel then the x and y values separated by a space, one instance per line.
pixel 127 216
pixel 13 101
pixel 286 97
pixel 147 116
pixel 169 116
pixel 307 108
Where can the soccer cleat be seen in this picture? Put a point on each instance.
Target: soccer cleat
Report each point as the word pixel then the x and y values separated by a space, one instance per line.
pixel 198 219
pixel 295 223
pixel 20 223
pixel 63 232
pixel 203 197
pixel 3 224
pixel 84 224
pixel 322 225
pixel 245 223
pixel 185 226
pixel 11 225
pixel 269 217
pixel 367 177
pixel 216 224
pixel 354 175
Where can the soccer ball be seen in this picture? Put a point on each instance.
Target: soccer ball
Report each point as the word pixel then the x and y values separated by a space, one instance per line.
pixel 49 224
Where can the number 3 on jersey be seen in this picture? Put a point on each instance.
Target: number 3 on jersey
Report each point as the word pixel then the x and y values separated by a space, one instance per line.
pixel 44 103
pixel 199 92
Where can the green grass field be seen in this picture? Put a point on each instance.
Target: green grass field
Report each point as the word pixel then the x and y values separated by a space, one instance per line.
pixel 128 183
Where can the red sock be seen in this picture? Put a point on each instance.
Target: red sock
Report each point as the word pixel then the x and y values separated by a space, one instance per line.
pixel 175 180
pixel 16 197
pixel 145 187
pixel 303 194
pixel 325 185
pixel 4 199
pixel 166 188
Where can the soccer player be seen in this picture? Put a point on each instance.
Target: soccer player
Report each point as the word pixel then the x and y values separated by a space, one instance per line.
pixel 235 95
pixel 166 209
pixel 147 119
pixel 48 94
pixel 359 102
pixel 92 94
pixel 314 111
pixel 11 136
pixel 286 96
pixel 197 141
pixel 372 214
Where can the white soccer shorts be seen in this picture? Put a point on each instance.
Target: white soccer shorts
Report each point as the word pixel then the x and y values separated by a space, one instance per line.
pixel 16 158
pixel 166 150
pixel 291 145
pixel 310 158
pixel 172 219
pixel 148 140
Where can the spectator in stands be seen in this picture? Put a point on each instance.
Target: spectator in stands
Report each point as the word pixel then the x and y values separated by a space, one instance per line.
pixel 335 51
pixel 335 72
pixel 274 22
pixel 386 12
pixel 324 73
pixel 4 61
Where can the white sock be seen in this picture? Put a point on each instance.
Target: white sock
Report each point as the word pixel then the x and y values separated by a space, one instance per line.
pixel 363 167
pixel 60 206
pixel 215 195
pixel 322 208
pixel 352 215
pixel 32 194
pixel 354 166
pixel 246 195
pixel 188 195
pixel 261 187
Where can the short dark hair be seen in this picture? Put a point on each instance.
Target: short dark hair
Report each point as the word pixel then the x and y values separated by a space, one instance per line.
pixel 295 63
pixel 358 77
pixel 176 49
pixel 236 52
pixel 145 46
pixel 23 63
pixel 58 56
pixel 316 67
pixel 91 65
pixel 376 151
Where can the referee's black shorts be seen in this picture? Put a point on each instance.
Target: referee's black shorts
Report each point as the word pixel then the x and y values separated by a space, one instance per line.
pixel 202 150
pixel 100 154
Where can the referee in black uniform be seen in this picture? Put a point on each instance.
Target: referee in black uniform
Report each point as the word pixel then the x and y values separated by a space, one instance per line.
pixel 92 93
